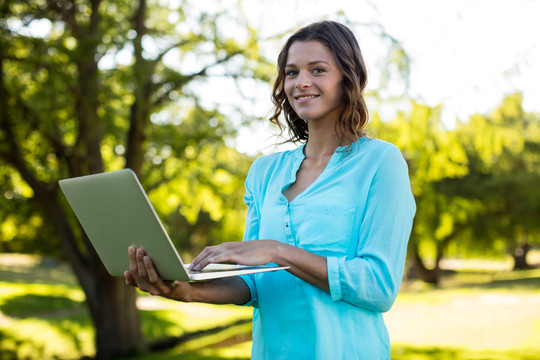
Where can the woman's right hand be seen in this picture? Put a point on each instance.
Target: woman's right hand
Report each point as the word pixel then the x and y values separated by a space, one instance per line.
pixel 143 275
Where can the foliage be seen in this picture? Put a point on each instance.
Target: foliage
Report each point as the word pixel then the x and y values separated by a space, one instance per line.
pixel 45 71
pixel 96 85
pixel 504 148
pixel 474 185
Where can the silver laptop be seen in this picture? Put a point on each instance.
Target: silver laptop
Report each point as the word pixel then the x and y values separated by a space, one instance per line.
pixel 115 212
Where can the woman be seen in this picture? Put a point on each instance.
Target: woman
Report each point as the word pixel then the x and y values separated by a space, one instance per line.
pixel 337 210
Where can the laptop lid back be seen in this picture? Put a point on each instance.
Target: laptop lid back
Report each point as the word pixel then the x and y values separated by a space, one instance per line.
pixel 115 213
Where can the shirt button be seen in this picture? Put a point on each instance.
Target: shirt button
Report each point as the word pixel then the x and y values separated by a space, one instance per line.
pixel 286 225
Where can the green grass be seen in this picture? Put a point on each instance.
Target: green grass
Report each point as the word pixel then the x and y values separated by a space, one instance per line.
pixel 476 314
pixel 407 352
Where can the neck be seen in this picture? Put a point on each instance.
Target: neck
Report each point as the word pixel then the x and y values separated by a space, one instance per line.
pixel 321 144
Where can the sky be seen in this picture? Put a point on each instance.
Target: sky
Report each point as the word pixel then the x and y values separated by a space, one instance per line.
pixel 465 54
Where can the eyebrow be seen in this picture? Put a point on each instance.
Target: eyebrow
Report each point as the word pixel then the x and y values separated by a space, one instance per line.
pixel 311 63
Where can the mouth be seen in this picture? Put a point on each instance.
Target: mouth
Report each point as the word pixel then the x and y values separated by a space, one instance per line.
pixel 303 98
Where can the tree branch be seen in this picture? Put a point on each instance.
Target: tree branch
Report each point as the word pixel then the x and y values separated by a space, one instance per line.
pixel 67 13
pixel 95 17
pixel 140 109
pixel 179 44
pixel 50 131
pixel 188 78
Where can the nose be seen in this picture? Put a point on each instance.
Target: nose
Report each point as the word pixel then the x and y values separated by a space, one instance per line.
pixel 302 80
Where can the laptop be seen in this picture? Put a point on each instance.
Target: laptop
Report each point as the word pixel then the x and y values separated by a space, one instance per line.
pixel 115 213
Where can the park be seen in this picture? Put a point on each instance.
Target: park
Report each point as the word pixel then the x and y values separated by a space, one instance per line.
pixel 92 86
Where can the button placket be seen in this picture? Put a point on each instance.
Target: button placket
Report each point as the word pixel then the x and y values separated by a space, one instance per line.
pixel 287 225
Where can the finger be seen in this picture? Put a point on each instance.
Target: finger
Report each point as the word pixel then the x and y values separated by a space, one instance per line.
pixel 129 279
pixel 153 276
pixel 132 259
pixel 196 264
pixel 211 257
pixel 140 264
pixel 225 252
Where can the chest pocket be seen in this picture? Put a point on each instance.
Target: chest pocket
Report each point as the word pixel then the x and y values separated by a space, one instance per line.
pixel 326 229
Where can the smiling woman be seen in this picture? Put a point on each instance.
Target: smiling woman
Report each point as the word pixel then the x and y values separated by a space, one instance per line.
pixel 336 211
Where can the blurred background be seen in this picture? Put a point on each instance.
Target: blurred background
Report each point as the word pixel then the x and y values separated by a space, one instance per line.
pixel 179 91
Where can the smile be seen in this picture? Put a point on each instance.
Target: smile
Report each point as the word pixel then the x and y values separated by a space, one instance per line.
pixel 305 97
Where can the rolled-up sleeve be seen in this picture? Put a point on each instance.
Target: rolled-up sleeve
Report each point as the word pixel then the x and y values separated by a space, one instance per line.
pixel 372 278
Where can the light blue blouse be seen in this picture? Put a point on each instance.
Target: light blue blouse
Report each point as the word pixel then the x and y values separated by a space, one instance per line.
pixel 358 214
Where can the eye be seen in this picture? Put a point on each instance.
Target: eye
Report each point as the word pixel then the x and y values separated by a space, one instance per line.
pixel 318 70
pixel 291 73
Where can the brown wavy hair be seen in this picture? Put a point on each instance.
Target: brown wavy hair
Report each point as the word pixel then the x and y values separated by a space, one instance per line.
pixel 348 57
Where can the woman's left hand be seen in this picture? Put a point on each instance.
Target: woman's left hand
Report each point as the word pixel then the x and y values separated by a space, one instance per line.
pixel 260 252
pixel 301 263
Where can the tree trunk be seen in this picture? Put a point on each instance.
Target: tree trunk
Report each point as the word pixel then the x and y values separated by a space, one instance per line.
pixel 115 315
pixel 430 276
pixel 520 256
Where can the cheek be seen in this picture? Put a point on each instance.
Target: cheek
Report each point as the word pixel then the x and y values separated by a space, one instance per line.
pixel 339 93
pixel 288 87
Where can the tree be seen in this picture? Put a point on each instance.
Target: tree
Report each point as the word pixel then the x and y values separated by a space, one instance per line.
pixel 71 106
pixel 504 152
pixel 474 185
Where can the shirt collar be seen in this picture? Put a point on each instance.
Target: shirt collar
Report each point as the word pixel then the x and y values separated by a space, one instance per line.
pixel 339 155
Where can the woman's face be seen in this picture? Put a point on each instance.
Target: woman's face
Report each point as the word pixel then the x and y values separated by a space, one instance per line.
pixel 313 82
